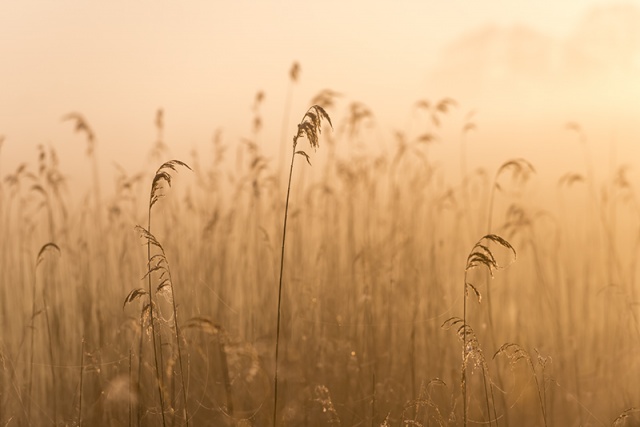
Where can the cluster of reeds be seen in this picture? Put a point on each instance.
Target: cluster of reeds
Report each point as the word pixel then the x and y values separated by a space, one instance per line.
pixel 320 297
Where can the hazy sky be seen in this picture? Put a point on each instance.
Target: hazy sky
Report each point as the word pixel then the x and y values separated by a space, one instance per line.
pixel 117 62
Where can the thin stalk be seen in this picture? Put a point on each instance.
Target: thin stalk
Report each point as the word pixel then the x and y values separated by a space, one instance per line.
pixel 153 328
pixel 53 374
pixel 139 378
pixel 32 327
pixel 310 128
pixel 284 236
pixel 157 187
pixel 480 256
pixel 178 340
pixel 81 375
pixel 130 389
pixel 540 399
pixel 464 353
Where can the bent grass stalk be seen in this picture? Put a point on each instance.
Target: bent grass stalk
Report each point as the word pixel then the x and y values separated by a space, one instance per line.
pixel 309 127
pixel 51 246
pixel 39 259
pixel 159 263
pixel 81 378
pixel 480 255
pixel 162 176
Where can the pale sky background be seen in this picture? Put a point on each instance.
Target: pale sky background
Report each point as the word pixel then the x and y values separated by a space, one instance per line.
pixel 526 67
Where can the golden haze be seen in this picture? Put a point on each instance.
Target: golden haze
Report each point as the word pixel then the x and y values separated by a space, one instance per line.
pixel 138 292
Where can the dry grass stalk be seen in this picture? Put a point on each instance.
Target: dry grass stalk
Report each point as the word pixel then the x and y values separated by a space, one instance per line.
pixel 158 263
pixel 481 255
pixel 309 127
pixel 515 353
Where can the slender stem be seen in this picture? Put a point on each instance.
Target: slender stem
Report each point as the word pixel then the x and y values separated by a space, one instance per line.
pixel 130 400
pixel 81 375
pixel 53 374
pixel 153 329
pixel 140 349
pixel 284 235
pixel 175 321
pixel 464 352
pixel 486 395
pixel 535 376
pixel 33 316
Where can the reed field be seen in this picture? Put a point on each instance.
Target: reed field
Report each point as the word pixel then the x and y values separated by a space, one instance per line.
pixel 402 294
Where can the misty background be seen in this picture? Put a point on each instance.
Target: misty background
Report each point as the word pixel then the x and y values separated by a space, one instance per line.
pixel 524 69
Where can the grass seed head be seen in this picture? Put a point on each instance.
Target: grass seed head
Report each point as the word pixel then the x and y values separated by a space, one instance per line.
pixel 163 175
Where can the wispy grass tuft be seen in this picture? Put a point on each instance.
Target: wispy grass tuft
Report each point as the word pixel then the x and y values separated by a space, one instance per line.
pixel 158 263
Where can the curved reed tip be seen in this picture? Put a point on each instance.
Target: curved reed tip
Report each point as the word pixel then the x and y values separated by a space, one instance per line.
pixel 44 248
pixel 481 253
pixel 162 174
pixel 310 126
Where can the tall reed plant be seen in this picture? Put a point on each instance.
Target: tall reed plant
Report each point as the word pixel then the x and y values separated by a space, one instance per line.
pixel 310 128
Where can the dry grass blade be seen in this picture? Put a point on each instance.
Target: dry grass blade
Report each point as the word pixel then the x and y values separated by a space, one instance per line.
pixel 520 166
pixel 516 353
pixel 451 322
pixel 134 295
pixel 203 324
pixel 485 250
pixel 481 258
pixel 481 254
pixel 144 233
pixel 306 156
pixel 622 418
pixel 467 335
pixel 499 240
pixel 153 270
pixel 310 127
pixel 163 285
pixel 521 170
pixel 163 175
pixel 158 262
pixel 44 248
pixel 436 381
pixel 473 288
pixel 569 179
